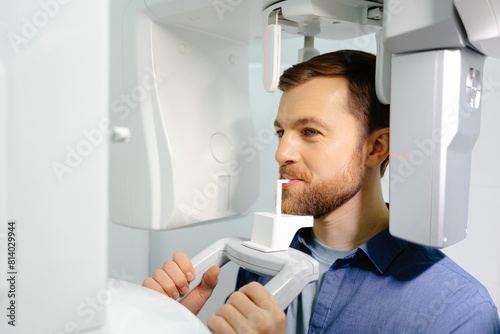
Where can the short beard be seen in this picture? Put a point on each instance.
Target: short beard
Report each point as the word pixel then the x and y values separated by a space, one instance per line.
pixel 321 198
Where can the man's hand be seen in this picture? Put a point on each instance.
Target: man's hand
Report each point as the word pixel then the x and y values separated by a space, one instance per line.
pixel 172 280
pixel 252 309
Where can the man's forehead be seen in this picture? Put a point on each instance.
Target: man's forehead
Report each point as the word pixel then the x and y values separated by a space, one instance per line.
pixel 320 85
pixel 319 101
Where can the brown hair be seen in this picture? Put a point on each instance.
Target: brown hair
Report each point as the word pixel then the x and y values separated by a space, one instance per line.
pixel 358 68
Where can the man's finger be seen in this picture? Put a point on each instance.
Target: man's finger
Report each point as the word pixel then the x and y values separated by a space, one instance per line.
pixel 242 303
pixel 185 264
pixel 166 283
pixel 261 310
pixel 209 282
pixel 150 283
pixel 218 324
pixel 177 276
pixel 243 314
pixel 195 300
pixel 259 295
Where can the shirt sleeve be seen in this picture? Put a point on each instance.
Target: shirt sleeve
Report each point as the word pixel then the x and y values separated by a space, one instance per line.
pixel 467 312
pixel 481 319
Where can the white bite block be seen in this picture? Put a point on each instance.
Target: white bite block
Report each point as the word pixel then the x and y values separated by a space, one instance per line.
pixel 271 233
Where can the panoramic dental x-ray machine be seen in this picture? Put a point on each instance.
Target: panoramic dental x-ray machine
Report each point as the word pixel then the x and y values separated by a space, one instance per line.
pixel 429 68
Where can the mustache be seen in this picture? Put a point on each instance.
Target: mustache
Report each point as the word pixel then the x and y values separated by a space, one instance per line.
pixel 293 171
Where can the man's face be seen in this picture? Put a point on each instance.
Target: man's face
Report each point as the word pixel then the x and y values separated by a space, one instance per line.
pixel 320 150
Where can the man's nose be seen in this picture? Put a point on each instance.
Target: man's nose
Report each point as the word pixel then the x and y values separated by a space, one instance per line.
pixel 287 152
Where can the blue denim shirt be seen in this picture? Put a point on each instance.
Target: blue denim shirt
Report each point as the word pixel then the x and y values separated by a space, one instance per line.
pixel 388 285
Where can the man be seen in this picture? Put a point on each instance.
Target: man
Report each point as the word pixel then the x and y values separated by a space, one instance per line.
pixel 334 147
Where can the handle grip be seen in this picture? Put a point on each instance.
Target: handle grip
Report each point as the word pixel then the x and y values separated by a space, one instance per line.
pixel 213 255
pixel 291 270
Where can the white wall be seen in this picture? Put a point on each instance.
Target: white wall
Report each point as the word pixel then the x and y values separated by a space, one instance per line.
pixel 54 93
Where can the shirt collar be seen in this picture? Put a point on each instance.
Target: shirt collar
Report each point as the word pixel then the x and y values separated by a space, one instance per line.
pixel 302 241
pixel 382 249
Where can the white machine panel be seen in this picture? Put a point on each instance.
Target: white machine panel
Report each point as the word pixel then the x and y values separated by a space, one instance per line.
pixel 481 19
pixel 435 117
pixel 191 154
pixel 330 19
pixel 411 26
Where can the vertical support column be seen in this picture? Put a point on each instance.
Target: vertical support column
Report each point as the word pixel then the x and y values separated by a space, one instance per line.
pixel 435 120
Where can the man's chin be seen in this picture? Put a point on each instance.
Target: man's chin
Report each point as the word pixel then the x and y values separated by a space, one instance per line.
pixel 305 206
pixel 291 207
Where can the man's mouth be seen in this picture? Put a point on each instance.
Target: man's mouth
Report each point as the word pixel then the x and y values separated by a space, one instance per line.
pixel 293 180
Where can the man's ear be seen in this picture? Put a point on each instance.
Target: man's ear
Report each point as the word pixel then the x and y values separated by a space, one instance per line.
pixel 377 147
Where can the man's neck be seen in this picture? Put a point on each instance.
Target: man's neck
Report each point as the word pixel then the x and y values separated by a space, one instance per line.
pixel 355 222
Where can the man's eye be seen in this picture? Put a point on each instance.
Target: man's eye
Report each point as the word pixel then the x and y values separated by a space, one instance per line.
pixel 309 132
pixel 279 133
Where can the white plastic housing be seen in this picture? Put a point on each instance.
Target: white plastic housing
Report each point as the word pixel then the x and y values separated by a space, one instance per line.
pixel 383 71
pixel 191 155
pixel 272 233
pixel 330 19
pixel 271 57
pixel 481 19
pixel 135 309
pixel 422 25
pixel 435 121
pixel 307 53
